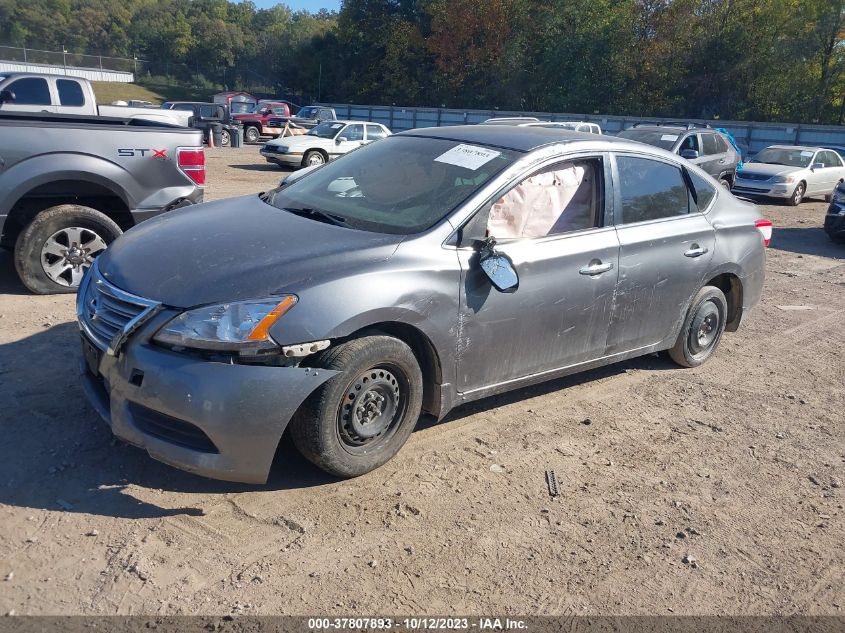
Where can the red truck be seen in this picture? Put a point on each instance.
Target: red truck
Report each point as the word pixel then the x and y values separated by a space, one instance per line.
pixel 256 123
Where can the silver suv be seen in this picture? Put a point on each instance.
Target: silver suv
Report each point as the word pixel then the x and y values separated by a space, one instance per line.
pixel 700 144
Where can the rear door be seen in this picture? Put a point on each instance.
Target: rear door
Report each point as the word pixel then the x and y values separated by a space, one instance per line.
pixel 714 156
pixel 665 246
pixel 32 94
pixel 350 137
pixel 375 132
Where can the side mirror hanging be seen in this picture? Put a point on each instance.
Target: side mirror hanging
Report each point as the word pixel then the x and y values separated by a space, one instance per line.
pixel 498 267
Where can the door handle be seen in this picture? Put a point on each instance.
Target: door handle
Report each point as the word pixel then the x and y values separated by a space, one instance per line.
pixel 596 268
pixel 696 251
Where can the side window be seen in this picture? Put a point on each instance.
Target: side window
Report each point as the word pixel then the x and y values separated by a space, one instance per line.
pixel 70 93
pixel 280 110
pixel 353 133
pixel 326 114
pixel 690 142
pixel 595 129
pixel 31 91
pixel 722 143
pixel 650 190
pixel 709 143
pixel 208 112
pixel 375 132
pixel 560 199
pixel 702 191
pixel 830 159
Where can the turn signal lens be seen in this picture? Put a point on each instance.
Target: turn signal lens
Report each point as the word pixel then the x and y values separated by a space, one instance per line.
pixel 261 330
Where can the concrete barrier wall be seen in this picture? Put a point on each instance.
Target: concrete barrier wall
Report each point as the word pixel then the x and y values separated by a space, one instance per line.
pixel 755 135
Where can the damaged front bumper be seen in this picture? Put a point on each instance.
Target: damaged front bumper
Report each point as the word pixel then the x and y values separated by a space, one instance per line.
pixel 216 419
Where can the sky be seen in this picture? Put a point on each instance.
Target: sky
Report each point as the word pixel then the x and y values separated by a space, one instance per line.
pixel 311 5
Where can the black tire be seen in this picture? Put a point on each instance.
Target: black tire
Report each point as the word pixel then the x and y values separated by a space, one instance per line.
pixel 225 138
pixel 797 195
pixel 252 134
pixel 30 258
pixel 702 329
pixel 725 181
pixel 331 428
pixel 314 157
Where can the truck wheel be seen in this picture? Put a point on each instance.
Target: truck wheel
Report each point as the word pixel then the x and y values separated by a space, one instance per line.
pixel 225 138
pixel 702 329
pixel 312 158
pixel 359 419
pixel 252 134
pixel 59 245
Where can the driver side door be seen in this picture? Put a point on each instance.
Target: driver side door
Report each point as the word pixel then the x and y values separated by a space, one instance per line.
pixel 552 226
pixel 351 137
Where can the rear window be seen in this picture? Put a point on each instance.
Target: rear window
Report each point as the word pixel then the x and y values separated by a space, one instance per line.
pixel 659 138
pixel 400 185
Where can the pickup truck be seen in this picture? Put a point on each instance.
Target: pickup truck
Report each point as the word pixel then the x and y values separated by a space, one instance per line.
pixel 69 185
pixel 33 92
pixel 205 115
pixel 307 117
pixel 257 124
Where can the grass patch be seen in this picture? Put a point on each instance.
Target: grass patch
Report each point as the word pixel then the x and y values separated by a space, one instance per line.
pixel 107 91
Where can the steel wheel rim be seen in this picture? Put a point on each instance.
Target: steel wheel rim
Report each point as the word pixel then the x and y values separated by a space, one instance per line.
pixel 252 135
pixel 315 159
pixel 225 139
pixel 68 253
pixel 704 329
pixel 373 406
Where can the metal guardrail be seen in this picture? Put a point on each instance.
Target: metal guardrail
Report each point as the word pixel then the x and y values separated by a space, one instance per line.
pixel 754 134
pixel 67 59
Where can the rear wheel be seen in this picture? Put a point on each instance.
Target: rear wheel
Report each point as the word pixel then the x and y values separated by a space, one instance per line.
pixel 359 419
pixel 702 329
pixel 252 134
pixel 59 245
pixel 797 195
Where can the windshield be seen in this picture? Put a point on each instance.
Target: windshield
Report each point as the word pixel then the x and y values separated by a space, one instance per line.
pixel 307 112
pixel 783 156
pixel 325 130
pixel 400 185
pixel 658 138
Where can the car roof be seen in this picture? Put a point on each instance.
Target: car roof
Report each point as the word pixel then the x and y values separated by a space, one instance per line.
pixel 807 148
pixel 517 138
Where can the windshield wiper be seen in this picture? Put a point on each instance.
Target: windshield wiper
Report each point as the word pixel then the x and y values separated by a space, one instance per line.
pixel 317 214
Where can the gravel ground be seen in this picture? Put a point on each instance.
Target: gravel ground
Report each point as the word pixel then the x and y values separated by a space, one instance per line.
pixel 716 490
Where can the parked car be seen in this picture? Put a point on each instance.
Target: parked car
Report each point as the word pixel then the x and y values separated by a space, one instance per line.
pixel 37 93
pixel 322 143
pixel 575 126
pixel 701 145
pixel 307 117
pixel 206 116
pixel 834 221
pixel 257 124
pixel 791 173
pixel 69 185
pixel 409 276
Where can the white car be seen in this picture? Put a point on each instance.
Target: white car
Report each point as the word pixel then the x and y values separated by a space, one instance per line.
pixel 322 143
pixel 791 172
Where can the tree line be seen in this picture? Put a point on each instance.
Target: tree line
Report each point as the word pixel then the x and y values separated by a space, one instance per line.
pixel 765 60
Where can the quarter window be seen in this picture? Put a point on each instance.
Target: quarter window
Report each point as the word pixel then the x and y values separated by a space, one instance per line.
pixel 31 91
pixel 560 199
pixel 70 93
pixel 650 190
pixel 702 191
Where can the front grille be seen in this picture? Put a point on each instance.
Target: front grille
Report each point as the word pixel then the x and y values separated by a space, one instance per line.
pixel 171 429
pixel 744 176
pixel 107 314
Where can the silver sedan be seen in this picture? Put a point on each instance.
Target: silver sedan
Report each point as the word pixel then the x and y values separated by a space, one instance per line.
pixel 792 173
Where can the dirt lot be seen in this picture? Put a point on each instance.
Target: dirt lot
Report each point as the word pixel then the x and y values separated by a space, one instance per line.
pixel 738 464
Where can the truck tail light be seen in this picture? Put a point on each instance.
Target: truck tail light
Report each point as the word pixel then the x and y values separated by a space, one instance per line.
pixel 192 163
pixel 765 228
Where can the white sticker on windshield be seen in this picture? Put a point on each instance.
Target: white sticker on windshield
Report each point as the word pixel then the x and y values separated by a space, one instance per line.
pixel 805 153
pixel 337 125
pixel 467 156
pixel 669 137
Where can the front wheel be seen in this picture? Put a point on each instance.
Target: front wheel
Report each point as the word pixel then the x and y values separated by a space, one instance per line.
pixel 252 134
pixel 358 420
pixel 797 195
pixel 59 245
pixel 313 158
pixel 702 329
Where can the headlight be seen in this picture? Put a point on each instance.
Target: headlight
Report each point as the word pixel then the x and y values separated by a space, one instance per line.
pixel 783 179
pixel 282 149
pixel 240 326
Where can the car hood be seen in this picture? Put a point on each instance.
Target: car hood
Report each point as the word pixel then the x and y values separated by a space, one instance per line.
pixel 766 169
pixel 296 142
pixel 235 249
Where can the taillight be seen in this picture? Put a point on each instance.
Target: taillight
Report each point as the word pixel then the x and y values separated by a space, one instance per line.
pixel 765 228
pixel 192 163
